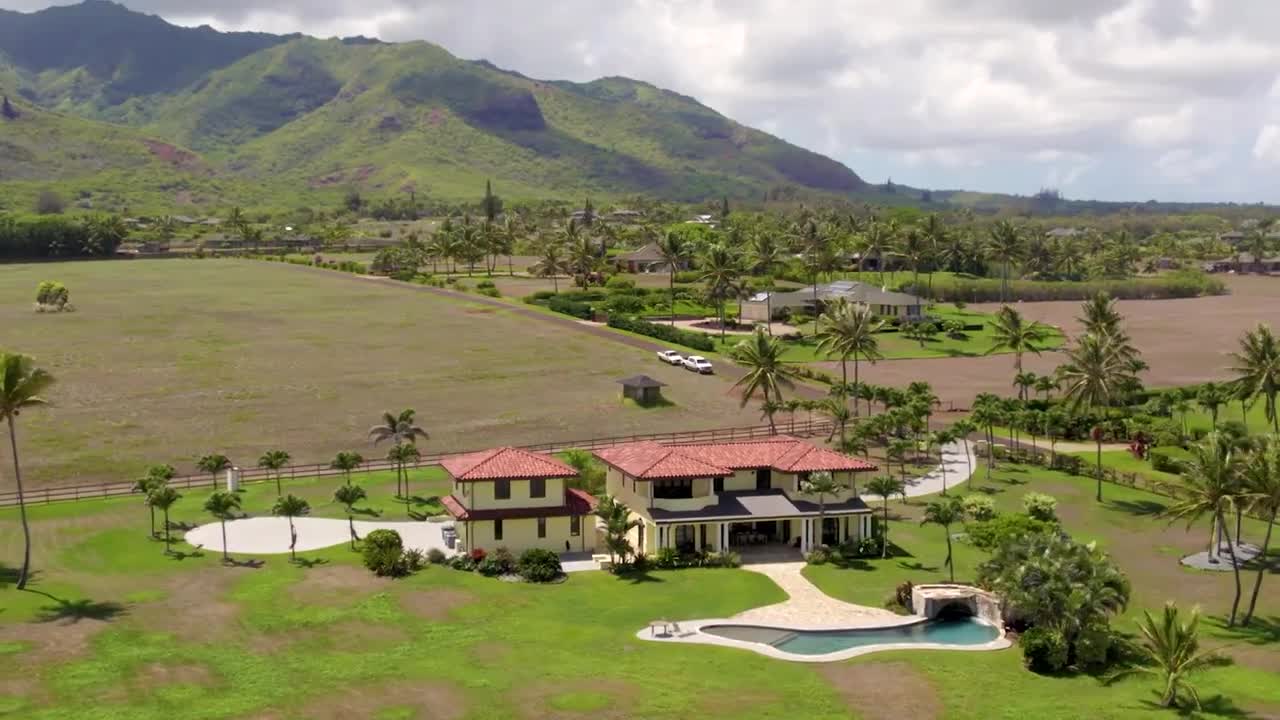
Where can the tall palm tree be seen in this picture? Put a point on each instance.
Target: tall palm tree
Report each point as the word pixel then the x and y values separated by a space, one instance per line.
pixel 823 484
pixel 1098 315
pixel 721 269
pixel 510 231
pixel 551 262
pixel 1172 650
pixel 162 498
pixel 942 438
pixel 402 454
pixel 213 464
pixel 1046 384
pixel 913 247
pixel 1211 396
pixel 987 415
pixel 848 330
pixel 618 524
pixel 1211 485
pixel 222 505
pixel 272 461
pixel 1094 374
pixel 1025 381
pixel 761 355
pixel 884 487
pixel 1261 479
pixel 21 386
pixel 156 476
pixel 1005 245
pixel 1257 370
pixel 584 257
pixel 962 429
pixel 764 257
pixel 349 495
pixel 675 252
pixel 1010 331
pixel 945 513
pixel 291 506
pixel 346 462
pixel 877 240
pixel 399 429
pixel 836 408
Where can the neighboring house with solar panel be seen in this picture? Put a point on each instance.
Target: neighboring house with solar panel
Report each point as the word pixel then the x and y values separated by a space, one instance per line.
pixel 885 303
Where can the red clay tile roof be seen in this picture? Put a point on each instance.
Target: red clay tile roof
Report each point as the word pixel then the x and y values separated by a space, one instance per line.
pixel 578 502
pixel 649 460
pixel 505 463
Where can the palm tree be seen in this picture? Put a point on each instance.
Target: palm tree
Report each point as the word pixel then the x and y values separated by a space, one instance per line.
pixel 272 461
pixel 849 330
pixel 163 497
pixel 942 438
pixel 346 462
pixel 1172 650
pixel 1005 245
pixel 1257 370
pixel 1211 485
pixel 761 355
pixel 551 262
pixel 962 429
pixel 1099 315
pixel 1261 478
pixel 402 454
pixel 899 449
pixel 823 484
pixel 584 258
pixel 400 429
pixel 21 384
pixel 222 505
pixel 877 241
pixel 1212 396
pixel 945 513
pixel 510 232
pixel 618 524
pixel 1010 331
pixel 349 495
pixel 291 506
pixel 884 487
pixel 1046 384
pixel 764 257
pixel 837 409
pixel 213 464
pixel 1025 381
pixel 156 476
pixel 675 253
pixel 987 415
pixel 720 272
pixel 1095 373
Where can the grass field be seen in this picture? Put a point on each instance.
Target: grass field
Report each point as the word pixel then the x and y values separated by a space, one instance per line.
pixel 114 629
pixel 166 360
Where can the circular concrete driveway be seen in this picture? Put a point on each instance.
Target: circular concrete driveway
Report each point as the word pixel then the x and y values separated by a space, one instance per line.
pixel 270 535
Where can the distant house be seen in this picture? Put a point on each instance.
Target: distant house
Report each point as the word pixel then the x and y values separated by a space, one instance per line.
pixel 647 259
pixel 513 498
pixel 642 389
pixel 625 215
pixel 1232 238
pixel 703 220
pixel 884 303
pixel 1245 262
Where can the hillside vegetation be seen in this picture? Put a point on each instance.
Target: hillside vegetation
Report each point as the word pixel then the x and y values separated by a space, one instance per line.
pixel 305 118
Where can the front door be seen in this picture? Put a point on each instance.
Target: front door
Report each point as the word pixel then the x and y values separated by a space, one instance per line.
pixel 764 478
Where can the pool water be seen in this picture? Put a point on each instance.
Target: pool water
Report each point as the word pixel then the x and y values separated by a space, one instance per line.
pixel 956 632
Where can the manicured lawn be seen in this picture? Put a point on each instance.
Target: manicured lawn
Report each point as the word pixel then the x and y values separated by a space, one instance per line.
pixel 1123 461
pixel 130 633
pixel 168 360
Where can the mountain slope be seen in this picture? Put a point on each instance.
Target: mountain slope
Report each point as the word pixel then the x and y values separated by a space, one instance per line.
pixel 298 116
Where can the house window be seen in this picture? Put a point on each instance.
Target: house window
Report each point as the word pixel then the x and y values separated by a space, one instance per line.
pixel 718 485
pixel 542 527
pixel 673 489
pixel 575 525
pixel 537 488
pixel 502 489
pixel 497 529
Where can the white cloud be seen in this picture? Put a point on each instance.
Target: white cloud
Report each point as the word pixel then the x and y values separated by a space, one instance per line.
pixel 1162 130
pixel 1186 166
pixel 1267 147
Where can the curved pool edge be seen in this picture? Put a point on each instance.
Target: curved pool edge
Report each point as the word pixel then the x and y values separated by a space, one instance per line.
pixel 691 634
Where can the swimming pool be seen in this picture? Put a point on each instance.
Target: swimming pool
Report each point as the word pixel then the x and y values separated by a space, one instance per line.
pixel 958 632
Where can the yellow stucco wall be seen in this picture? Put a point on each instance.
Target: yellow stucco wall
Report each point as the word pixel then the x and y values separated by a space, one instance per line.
pixel 520 535
pixel 479 495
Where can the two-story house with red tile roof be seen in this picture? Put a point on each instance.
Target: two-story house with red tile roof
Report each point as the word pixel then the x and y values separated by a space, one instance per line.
pixel 507 497
pixel 733 495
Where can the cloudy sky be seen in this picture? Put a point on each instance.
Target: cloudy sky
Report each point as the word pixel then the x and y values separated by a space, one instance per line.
pixel 1112 99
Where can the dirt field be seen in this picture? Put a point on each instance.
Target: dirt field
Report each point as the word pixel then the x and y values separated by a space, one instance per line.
pixel 1184 341
pixel 166 360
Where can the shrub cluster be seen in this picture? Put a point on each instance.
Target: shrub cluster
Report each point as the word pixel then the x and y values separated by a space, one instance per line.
pixel 666 333
pixel 383 553
pixel 539 566
pixel 673 559
pixel 53 237
pixel 533 565
pixel 53 297
pixel 1041 507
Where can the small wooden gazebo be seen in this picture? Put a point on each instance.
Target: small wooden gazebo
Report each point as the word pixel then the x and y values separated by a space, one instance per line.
pixel 643 389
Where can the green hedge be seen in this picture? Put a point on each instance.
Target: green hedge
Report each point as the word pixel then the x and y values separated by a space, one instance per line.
pixel 666 333
pixel 581 310
pixel 52 237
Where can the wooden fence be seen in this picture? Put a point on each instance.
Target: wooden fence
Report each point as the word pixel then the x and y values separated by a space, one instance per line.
pixel 805 428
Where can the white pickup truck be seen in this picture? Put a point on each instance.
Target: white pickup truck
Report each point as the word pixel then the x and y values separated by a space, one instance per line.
pixel 698 364
pixel 671 357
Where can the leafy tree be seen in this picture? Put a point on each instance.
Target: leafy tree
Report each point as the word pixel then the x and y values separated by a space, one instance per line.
pixel 156 476
pixel 1010 331
pixel 551 263
pixel 1006 246
pixel 213 464
pixel 291 506
pixel 21 385
pixel 823 484
pixel 163 497
pixel 1212 396
pixel 945 513
pixel 675 251
pixel 848 330
pixel 761 355
pixel 1257 370
pixel 1094 375
pixel 1172 653
pixel 349 495
pixel 347 461
pixel 272 461
pixel 222 505
pixel 618 525
pixel 1261 477
pixel 884 487
pixel 721 269
pixel 491 205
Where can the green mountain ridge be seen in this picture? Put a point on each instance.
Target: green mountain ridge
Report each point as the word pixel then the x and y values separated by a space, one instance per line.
pixel 301 119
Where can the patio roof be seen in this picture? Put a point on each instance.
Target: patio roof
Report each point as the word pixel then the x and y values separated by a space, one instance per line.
pixel 750 505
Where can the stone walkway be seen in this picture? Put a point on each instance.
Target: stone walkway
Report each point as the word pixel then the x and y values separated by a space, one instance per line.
pixel 807 606
pixel 959 468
